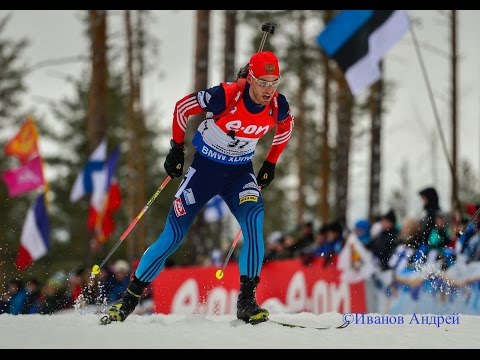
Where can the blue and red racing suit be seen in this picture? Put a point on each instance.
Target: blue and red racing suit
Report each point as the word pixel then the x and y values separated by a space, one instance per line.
pixel 222 165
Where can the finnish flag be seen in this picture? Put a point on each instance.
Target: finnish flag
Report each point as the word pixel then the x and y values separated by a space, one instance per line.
pixel 85 182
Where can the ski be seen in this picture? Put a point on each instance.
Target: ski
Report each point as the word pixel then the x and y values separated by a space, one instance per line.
pixel 343 326
pixel 105 320
pixel 238 322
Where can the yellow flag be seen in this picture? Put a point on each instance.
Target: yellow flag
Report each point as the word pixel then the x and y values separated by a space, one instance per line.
pixel 24 144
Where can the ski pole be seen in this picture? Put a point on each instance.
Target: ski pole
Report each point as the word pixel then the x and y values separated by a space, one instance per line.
pixel 219 272
pixel 96 268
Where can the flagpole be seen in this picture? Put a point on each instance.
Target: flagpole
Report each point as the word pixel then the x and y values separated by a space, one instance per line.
pixel 45 182
pixel 434 107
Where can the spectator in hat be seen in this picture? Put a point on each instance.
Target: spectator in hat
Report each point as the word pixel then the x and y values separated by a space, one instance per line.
pixel 32 303
pixel 18 295
pixel 303 238
pixel 362 230
pixel 333 244
pixel 276 247
pixel 383 244
pixel 54 294
pixel 121 279
pixel 431 207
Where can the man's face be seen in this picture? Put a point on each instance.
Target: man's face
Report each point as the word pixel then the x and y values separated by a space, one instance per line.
pixel 262 88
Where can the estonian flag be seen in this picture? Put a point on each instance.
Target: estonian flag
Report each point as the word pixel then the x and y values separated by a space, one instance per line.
pixel 358 39
pixel 34 241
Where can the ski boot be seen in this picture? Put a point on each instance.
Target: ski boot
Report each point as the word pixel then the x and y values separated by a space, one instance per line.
pixel 247 308
pixel 127 303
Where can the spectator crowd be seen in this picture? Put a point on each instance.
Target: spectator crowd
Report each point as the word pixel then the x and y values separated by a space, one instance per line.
pixel 435 238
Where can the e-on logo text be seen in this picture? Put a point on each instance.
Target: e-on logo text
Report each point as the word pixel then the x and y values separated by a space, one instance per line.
pixel 236 125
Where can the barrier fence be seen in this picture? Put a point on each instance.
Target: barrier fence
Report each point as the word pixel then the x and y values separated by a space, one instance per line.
pixel 286 286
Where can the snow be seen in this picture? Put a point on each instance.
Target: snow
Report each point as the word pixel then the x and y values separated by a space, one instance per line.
pixel 78 331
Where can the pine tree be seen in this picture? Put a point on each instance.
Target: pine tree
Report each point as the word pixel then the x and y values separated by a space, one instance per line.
pixel 12 211
pixel 66 133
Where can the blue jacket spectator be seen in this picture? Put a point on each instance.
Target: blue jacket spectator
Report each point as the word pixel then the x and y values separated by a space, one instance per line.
pixel 17 297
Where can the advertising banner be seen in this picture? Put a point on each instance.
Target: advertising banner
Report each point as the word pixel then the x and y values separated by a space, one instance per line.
pixel 286 286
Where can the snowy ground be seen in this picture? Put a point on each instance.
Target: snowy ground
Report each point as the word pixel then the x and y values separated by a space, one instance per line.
pixel 74 330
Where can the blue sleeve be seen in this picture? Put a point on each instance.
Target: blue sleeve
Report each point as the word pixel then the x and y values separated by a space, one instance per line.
pixel 212 99
pixel 283 107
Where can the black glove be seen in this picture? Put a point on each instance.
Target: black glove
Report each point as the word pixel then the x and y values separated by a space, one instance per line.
pixel 266 174
pixel 174 162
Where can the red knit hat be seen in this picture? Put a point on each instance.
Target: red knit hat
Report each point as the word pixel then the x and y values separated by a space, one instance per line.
pixel 264 63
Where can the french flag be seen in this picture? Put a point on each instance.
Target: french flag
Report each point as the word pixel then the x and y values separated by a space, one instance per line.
pixel 34 241
pixel 106 198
